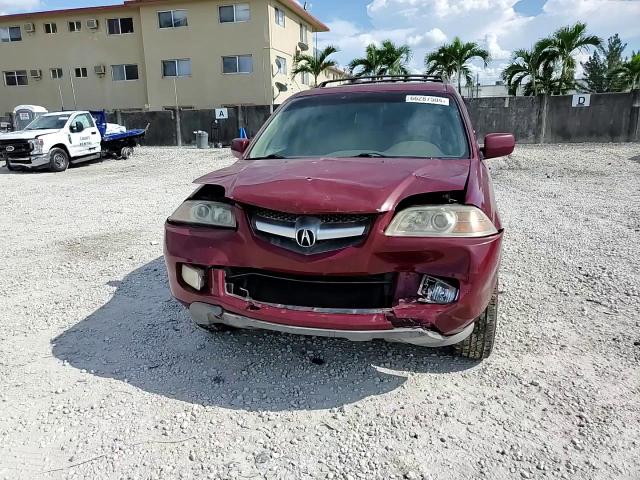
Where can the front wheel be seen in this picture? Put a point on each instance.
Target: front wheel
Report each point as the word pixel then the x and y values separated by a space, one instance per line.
pixel 479 344
pixel 58 160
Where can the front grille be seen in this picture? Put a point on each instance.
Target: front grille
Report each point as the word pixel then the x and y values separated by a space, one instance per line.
pixel 312 291
pixel 325 218
pixel 20 148
pixel 333 231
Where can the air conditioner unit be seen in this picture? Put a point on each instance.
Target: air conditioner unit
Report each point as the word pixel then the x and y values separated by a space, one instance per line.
pixel 35 73
pixel 29 27
pixel 100 70
pixel 92 24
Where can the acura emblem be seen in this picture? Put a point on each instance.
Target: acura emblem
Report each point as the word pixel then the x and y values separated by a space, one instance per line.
pixel 10 148
pixel 305 237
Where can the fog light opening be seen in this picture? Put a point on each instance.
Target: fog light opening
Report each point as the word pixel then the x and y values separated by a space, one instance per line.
pixel 193 276
pixel 434 290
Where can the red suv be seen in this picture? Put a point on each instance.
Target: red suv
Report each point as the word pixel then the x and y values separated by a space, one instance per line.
pixel 362 210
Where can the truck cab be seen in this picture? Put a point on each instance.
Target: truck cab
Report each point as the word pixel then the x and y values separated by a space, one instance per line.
pixel 52 141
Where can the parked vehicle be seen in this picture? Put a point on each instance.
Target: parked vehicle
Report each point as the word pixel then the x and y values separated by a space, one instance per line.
pixel 363 211
pixel 55 140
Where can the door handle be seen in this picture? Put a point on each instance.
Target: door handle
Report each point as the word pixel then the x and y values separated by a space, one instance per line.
pixel 94 133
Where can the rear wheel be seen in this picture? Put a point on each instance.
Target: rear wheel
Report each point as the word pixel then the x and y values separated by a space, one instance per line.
pixel 479 344
pixel 58 160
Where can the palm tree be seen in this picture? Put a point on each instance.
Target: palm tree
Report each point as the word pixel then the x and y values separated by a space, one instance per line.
pixel 452 58
pixel 526 65
pixel 629 72
pixel 314 64
pixel 565 42
pixel 388 59
pixel 369 65
pixel 395 58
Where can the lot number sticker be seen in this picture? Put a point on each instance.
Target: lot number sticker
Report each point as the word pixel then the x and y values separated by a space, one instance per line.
pixel 222 114
pixel 427 99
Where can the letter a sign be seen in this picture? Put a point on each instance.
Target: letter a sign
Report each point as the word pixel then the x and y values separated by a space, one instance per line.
pixel 581 100
pixel 222 114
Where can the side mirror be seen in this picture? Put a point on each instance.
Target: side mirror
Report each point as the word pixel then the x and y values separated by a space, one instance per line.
pixel 77 127
pixel 238 146
pixel 498 145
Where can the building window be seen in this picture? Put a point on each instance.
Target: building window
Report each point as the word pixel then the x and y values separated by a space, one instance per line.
pixel 305 78
pixel 172 19
pixel 239 12
pixel 119 26
pixel 280 17
pixel 303 33
pixel 50 28
pixel 237 64
pixel 56 73
pixel 176 68
pixel 81 72
pixel 75 26
pixel 17 78
pixel 124 72
pixel 10 34
pixel 281 63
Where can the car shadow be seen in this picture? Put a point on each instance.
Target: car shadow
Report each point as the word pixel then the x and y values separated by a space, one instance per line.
pixel 142 336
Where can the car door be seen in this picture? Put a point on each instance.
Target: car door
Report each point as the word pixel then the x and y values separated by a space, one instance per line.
pixel 84 136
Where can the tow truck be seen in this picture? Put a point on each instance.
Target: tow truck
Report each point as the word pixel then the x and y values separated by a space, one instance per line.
pixel 55 140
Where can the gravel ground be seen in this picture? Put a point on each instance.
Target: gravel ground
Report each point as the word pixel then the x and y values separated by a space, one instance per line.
pixel 102 374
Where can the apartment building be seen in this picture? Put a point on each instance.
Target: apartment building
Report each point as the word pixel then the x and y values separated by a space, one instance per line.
pixel 150 54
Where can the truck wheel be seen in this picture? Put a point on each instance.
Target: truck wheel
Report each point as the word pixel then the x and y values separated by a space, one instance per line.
pixel 479 344
pixel 58 160
pixel 126 152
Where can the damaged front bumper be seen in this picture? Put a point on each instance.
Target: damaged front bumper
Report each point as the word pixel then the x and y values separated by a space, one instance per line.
pixel 471 263
pixel 207 315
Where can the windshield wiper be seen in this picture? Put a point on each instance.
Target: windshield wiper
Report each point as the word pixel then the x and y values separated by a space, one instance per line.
pixel 370 155
pixel 268 157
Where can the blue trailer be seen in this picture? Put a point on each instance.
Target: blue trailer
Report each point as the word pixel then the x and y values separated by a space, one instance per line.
pixel 119 144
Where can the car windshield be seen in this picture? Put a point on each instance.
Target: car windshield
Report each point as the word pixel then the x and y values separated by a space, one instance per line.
pixel 47 122
pixel 365 124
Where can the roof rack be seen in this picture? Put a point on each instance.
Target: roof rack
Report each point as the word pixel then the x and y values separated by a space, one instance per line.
pixel 384 79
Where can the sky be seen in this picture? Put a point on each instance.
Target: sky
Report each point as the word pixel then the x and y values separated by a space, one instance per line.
pixel 501 26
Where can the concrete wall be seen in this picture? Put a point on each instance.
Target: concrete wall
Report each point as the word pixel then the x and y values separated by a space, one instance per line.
pixel 611 117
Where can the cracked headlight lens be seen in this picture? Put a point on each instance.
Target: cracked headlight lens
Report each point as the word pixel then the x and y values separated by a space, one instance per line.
pixel 441 221
pixel 204 212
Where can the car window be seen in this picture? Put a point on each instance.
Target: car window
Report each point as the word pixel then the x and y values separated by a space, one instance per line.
pixel 85 119
pixel 381 124
pixel 46 122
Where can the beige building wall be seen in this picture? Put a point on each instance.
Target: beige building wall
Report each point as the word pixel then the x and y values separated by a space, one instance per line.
pixel 68 50
pixel 204 41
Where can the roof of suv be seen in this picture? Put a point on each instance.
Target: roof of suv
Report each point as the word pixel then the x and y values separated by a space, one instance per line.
pixel 383 86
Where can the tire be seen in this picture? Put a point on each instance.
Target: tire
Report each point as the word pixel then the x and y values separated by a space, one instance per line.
pixel 479 344
pixel 58 160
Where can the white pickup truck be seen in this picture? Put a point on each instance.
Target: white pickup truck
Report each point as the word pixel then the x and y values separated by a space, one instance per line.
pixel 56 140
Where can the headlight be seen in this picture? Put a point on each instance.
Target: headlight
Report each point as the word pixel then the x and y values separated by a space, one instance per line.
pixel 36 145
pixel 441 221
pixel 204 212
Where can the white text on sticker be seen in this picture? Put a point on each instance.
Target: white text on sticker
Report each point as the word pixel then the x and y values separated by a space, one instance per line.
pixel 428 99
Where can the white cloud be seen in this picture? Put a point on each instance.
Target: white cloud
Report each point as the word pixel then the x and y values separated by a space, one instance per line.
pixel 494 24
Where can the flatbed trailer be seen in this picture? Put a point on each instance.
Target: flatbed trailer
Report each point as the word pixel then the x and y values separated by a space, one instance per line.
pixel 119 144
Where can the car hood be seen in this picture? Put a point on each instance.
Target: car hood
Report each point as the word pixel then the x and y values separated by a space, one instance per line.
pixel 28 134
pixel 326 185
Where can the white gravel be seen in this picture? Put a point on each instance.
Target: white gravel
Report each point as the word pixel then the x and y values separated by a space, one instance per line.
pixel 102 374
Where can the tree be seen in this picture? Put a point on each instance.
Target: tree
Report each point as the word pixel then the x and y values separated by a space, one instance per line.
pixel 525 68
pixel 314 64
pixel 388 59
pixel 599 68
pixel 452 58
pixel 395 58
pixel 565 43
pixel 628 74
